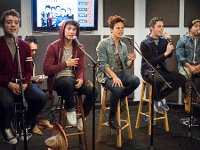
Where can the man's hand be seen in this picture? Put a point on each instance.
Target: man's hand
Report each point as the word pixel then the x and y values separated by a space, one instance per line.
pixel 14 87
pixel 117 82
pixel 193 69
pixel 198 68
pixel 24 86
pixel 132 56
pixel 167 36
pixel 72 62
pixel 79 83
pixel 41 79
pixel 169 49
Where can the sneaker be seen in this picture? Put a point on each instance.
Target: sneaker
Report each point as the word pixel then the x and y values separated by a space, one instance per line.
pixel 9 136
pixel 71 118
pixel 80 124
pixel 187 102
pixel 158 107
pixel 28 135
pixel 164 105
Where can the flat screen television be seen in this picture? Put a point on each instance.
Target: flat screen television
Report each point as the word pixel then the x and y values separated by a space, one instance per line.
pixel 48 15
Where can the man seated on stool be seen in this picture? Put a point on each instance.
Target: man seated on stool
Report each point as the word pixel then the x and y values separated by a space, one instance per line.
pixel 156 48
pixel 114 60
pixel 10 87
pixel 37 79
pixel 64 65
pixel 188 52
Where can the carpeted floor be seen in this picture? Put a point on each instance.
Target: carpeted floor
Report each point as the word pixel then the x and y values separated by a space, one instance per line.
pixel 175 139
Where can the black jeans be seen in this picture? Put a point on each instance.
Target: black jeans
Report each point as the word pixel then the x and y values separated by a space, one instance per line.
pixel 65 87
pixel 174 79
pixel 35 98
pixel 129 81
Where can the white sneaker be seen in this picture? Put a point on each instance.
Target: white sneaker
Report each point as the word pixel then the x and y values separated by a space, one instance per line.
pixel 80 124
pixel 9 136
pixel 71 118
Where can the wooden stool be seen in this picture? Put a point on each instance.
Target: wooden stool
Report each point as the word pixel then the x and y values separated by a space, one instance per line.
pixel 80 113
pixel 148 114
pixel 122 123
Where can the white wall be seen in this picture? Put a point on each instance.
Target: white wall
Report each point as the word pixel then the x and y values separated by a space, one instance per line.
pixel 139 31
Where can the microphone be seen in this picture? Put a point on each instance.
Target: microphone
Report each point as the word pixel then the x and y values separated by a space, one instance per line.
pixel 198 31
pixel 77 41
pixel 15 36
pixel 126 37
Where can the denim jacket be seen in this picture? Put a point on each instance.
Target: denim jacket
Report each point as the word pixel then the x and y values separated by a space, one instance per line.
pixel 185 51
pixel 106 57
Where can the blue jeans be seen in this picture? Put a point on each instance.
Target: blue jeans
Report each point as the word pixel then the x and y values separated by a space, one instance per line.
pixel 35 98
pixel 65 87
pixel 129 81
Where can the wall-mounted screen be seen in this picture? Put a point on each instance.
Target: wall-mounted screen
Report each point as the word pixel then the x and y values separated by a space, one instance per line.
pixel 48 15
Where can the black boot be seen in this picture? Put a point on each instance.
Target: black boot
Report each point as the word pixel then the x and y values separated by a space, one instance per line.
pixel 112 121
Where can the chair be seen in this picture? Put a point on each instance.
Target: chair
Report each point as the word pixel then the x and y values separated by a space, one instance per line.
pixel 148 113
pixel 124 123
pixel 80 113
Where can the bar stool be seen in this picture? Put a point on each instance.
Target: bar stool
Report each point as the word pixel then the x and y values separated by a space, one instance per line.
pixel 80 114
pixel 148 113
pixel 123 123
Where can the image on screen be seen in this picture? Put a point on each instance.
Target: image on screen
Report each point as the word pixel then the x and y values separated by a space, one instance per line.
pixel 50 14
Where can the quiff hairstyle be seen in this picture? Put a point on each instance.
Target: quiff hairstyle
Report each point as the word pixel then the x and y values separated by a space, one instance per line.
pixel 154 20
pixel 112 20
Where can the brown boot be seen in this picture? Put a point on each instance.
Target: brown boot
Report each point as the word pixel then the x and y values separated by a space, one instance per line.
pixel 45 123
pixel 37 131
pixel 187 102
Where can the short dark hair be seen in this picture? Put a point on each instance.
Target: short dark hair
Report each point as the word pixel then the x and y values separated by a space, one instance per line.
pixel 6 13
pixel 154 20
pixel 31 39
pixel 112 20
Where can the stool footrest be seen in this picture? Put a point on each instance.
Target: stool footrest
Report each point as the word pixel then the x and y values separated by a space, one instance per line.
pixel 72 134
pixel 145 100
pixel 105 124
pixel 125 126
pixel 144 114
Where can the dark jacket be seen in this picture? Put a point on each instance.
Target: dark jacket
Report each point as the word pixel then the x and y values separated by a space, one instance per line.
pixel 53 56
pixel 9 68
pixel 154 54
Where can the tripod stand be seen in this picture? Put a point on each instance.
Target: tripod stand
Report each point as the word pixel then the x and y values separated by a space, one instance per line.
pixel 151 71
pixel 23 103
pixel 191 118
pixel 93 91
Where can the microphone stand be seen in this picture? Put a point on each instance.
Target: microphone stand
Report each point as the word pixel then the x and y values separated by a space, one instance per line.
pixel 153 83
pixel 93 90
pixel 191 118
pixel 24 103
